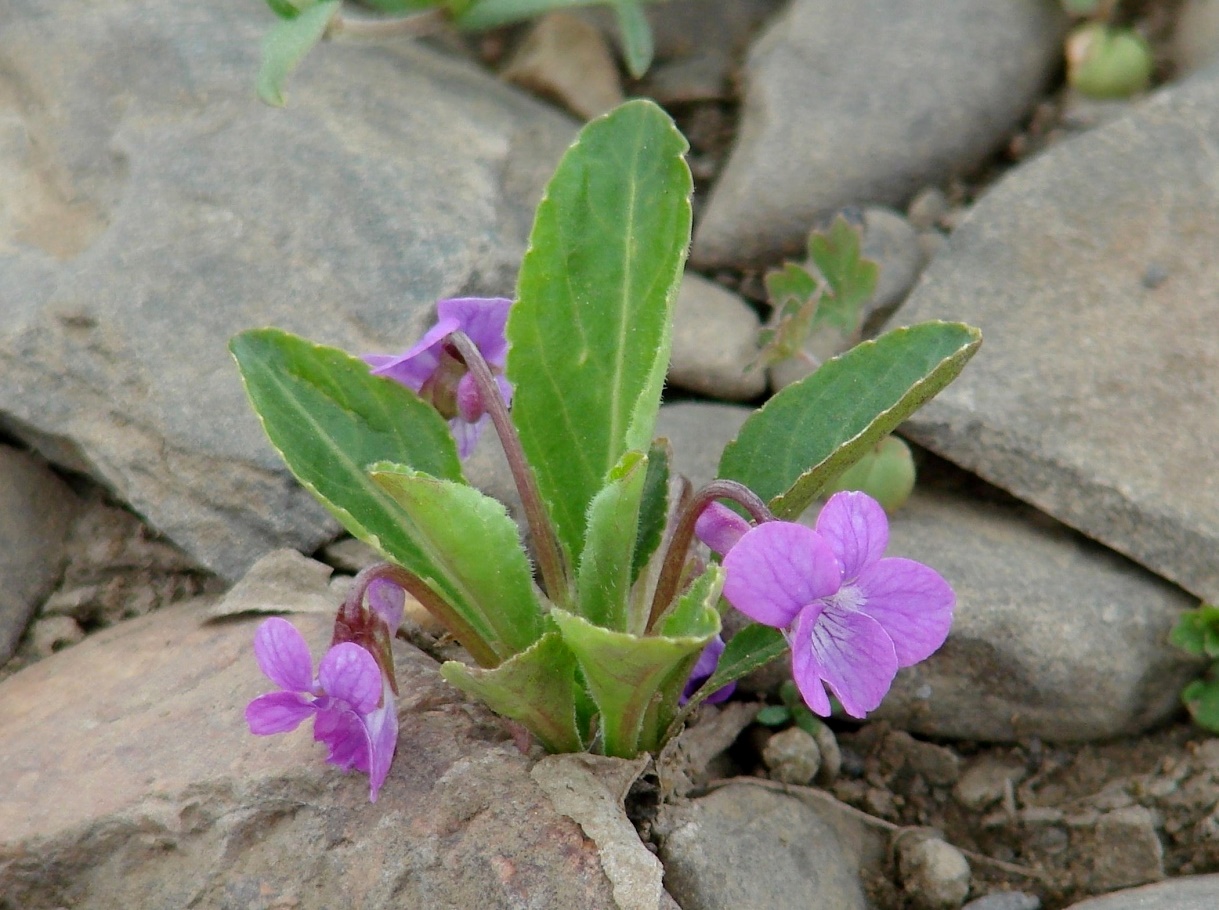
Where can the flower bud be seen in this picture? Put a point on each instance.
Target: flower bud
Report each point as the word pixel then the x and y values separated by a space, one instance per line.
pixel 1106 62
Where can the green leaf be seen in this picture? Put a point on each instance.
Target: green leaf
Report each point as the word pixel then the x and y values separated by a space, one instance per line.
pixel 813 429
pixel 795 295
pixel 851 278
pixel 1197 631
pixel 590 331
pixel 403 6
pixel 774 716
pixel 625 673
pixel 604 580
pixel 753 647
pixel 1201 697
pixel 330 418
pixel 286 44
pixel 472 541
pixel 653 507
pixel 637 44
pixel 535 688
pixel 485 14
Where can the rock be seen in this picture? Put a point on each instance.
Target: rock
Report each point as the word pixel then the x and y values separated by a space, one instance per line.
pixel 792 756
pixel 892 243
pixel 1095 395
pixel 156 209
pixel 1127 851
pixel 565 58
pixel 1053 636
pixel 987 781
pixel 831 754
pixel 54 633
pixel 349 555
pixel 939 766
pixel 927 209
pixel 36 510
pixel 283 581
pixel 1193 892
pixel 1005 900
pixel 934 874
pixel 866 104
pixel 699 433
pixel 745 846
pixel 174 804
pixel 714 342
pixel 1195 41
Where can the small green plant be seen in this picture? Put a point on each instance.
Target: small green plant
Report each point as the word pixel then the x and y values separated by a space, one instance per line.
pixel 303 23
pixel 793 710
pixel 1104 59
pixel 1197 631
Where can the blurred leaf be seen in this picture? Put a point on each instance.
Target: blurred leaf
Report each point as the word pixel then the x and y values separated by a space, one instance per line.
pixel 1081 7
pixel 485 14
pixel 1197 631
pixel 811 430
pixel 287 43
pixel 637 45
pixel 851 278
pixel 774 716
pixel 1201 697
pixel 590 331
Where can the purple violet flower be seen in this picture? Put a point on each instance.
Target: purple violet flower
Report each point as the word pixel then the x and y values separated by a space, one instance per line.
pixel 703 670
pixel 350 700
pixel 852 617
pixel 719 527
pixel 432 368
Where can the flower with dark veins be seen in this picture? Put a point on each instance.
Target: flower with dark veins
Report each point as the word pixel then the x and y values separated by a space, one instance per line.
pixel 853 617
pixel 350 700
pixel 433 368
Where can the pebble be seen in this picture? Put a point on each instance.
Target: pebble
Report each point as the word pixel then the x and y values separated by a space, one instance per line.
pixel 934 874
pixel 1005 900
pixel 792 756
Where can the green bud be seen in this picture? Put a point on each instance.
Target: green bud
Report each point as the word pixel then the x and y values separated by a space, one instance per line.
pixel 886 474
pixel 1107 62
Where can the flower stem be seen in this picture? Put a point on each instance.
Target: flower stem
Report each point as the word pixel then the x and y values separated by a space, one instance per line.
pixel 418 25
pixel 679 544
pixel 350 614
pixel 551 563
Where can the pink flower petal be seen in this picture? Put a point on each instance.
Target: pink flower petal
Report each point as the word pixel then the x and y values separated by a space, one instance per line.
pixel 350 674
pixel 277 712
pixel 719 527
pixel 342 731
pixel 413 367
pixel 283 656
pixel 912 602
pixel 484 320
pixel 382 727
pixel 850 652
pixel 856 528
pixel 778 568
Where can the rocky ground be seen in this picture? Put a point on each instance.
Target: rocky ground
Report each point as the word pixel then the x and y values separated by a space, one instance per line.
pixel 149 209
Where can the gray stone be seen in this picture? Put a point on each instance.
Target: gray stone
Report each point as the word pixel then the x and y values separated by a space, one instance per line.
pixel 1193 892
pixel 1127 850
pixel 1091 272
pixel 745 846
pixel 54 633
pixel 934 874
pixel 152 208
pixel 792 756
pixel 1195 41
pixel 866 103
pixel 699 433
pixel 565 58
pixel 149 792
pixel 714 342
pixel 987 781
pixel 36 511
pixel 1053 635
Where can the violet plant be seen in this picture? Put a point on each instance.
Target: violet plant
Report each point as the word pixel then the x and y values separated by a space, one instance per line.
pixel 618 638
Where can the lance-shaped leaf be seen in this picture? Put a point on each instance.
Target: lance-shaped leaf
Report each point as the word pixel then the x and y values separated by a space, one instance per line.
pixel 590 331
pixel 474 544
pixel 653 505
pixel 330 419
pixel 535 688
pixel 287 43
pixel 813 429
pixel 626 674
pixel 604 580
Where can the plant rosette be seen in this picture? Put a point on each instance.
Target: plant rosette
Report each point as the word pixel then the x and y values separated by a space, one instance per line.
pixel 617 638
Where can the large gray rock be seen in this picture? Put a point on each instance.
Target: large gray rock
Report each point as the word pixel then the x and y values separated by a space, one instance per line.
pixel 1195 892
pixel 1053 635
pixel 36 510
pixel 865 103
pixel 150 208
pixel 745 846
pixel 1091 271
pixel 715 342
pixel 149 792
